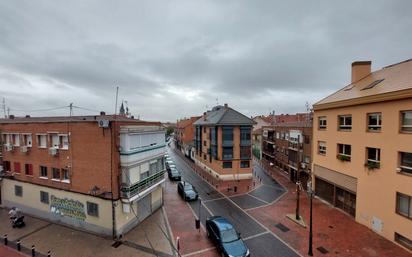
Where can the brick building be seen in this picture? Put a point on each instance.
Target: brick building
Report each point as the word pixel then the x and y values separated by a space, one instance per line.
pixel 223 147
pixel 99 173
pixel 287 146
pixel 184 135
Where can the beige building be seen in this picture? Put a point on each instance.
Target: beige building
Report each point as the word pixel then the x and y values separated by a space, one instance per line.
pixel 362 149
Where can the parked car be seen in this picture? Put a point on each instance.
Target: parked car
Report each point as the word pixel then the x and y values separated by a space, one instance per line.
pixel 225 236
pixel 174 174
pixel 187 191
pixel 170 165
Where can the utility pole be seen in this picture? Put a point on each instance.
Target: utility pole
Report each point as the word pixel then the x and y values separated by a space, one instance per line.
pixel 4 107
pixel 310 192
pixel 71 109
pixel 298 185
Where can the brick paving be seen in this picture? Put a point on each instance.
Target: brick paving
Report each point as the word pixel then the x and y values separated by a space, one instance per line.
pixel 8 252
pixel 333 230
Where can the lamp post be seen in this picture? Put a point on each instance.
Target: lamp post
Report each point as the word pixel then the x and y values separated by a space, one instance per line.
pixel 310 193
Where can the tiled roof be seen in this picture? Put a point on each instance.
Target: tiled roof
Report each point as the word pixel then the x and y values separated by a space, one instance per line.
pixel 390 79
pixel 286 118
pixel 186 122
pixel 224 115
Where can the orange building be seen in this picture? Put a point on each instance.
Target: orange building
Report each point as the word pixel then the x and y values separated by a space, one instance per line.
pixel 84 171
pixel 184 135
pixel 223 147
pixel 362 149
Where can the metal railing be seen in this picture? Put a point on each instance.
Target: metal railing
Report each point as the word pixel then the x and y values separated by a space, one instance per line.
pixel 129 191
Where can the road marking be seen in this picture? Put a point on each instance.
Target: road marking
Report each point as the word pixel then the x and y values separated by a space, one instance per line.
pixel 250 216
pixel 211 200
pixel 258 198
pixel 197 252
pixel 257 235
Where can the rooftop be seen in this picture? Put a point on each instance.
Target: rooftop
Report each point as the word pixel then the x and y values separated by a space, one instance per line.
pixel 224 115
pixel 389 83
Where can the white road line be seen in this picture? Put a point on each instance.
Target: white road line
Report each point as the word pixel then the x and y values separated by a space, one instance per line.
pixel 211 200
pixel 258 198
pixel 260 234
pixel 197 252
pixel 265 205
pixel 253 218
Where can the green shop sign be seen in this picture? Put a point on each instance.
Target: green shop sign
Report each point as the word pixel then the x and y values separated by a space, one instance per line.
pixel 67 207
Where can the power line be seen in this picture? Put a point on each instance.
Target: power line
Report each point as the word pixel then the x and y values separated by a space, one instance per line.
pixel 39 110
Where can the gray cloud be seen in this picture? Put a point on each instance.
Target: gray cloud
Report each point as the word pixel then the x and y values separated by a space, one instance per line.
pixel 172 59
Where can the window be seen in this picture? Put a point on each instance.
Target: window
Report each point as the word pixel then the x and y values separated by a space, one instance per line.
pixel 322 122
pixel 245 152
pixel 43 171
pixel 204 156
pixel 227 153
pixel 6 166
pixel 322 147
pixel 344 152
pixel 17 168
pixel 92 209
pixel 345 122
pixel 227 136
pixel 54 139
pixel 64 142
pixel 28 169
pixel 204 129
pixel 403 241
pixel 27 140
pixel 245 133
pixel 56 173
pixel 374 155
pixel 374 121
pixel 306 139
pixel 404 205
pixel 244 164
pixel 18 190
pixel 204 143
pixel 42 141
pixel 65 175
pixel 227 165
pixel 406 121
pixel 406 162
pixel 44 197
pixel 15 139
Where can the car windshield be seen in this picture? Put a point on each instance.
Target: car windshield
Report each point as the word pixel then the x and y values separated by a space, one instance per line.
pixel 188 187
pixel 229 235
pixel 174 172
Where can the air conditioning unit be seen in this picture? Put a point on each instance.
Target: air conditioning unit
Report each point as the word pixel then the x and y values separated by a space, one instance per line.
pixel 53 151
pixel 8 147
pixel 24 149
pixel 103 123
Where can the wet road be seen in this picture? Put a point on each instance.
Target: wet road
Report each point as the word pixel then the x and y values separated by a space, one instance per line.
pixel 261 241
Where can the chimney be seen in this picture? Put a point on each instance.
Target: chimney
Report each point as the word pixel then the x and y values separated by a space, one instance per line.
pixel 11 116
pixel 27 116
pixel 225 105
pixel 102 113
pixel 360 69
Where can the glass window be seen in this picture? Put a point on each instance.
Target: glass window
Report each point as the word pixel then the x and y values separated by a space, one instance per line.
pixel 322 122
pixel 16 139
pixel 245 133
pixel 64 141
pixel 54 139
pixel 244 164
pixel 406 121
pixel 245 152
pixel 322 147
pixel 374 154
pixel 227 153
pixel 406 162
pixel 403 241
pixel 345 122
pixel 42 141
pixel 17 167
pixel 6 165
pixel 18 190
pixel 43 171
pixel 404 205
pixel 374 121
pixel 27 140
pixel 44 197
pixel 92 209
pixel 227 136
pixel 227 165
pixel 55 173
pixel 65 175
pixel 344 152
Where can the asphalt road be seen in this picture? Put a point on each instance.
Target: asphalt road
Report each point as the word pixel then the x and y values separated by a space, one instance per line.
pixel 260 240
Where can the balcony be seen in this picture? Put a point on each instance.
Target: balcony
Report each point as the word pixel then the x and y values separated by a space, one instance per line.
pixel 139 187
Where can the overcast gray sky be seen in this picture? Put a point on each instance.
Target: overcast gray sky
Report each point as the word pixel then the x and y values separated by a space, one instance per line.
pixel 171 59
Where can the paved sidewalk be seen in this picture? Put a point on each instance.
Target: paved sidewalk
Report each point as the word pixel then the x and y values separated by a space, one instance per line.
pixel 63 241
pixel 8 252
pixel 338 233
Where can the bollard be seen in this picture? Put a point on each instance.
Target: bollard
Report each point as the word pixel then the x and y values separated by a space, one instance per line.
pixel 48 253
pixel 33 251
pixel 178 244
pixel 5 239
pixel 18 245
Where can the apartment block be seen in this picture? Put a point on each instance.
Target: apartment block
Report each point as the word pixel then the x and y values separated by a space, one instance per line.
pixel 287 146
pixel 223 148
pixel 184 135
pixel 362 145
pixel 103 173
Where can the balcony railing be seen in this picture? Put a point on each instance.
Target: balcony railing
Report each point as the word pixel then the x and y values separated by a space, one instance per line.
pixel 130 191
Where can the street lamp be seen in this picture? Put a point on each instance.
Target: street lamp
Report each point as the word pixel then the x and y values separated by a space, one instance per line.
pixel 310 193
